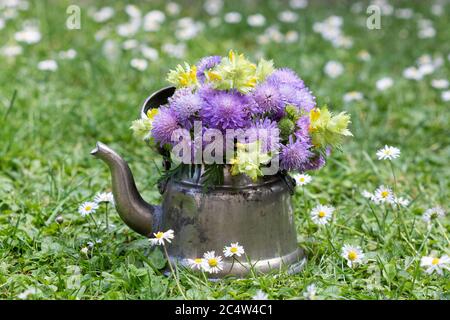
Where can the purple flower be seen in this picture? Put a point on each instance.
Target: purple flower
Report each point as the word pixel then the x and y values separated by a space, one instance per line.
pixel 285 76
pixel 302 132
pixel 184 103
pixel 301 98
pixel 267 98
pixel 267 132
pixel 164 124
pixel 295 155
pixel 314 163
pixel 205 64
pixel 225 109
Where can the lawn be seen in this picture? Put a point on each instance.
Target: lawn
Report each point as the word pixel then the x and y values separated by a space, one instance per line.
pixel 51 115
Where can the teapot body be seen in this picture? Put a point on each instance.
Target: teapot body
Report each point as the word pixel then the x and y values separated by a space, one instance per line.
pixel 257 215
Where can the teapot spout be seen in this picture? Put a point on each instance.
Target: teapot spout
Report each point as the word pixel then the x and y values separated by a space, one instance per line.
pixel 134 211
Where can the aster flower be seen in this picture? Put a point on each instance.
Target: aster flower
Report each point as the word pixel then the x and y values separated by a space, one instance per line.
pixel 212 263
pixel 196 264
pixel 161 237
pixel 302 133
pixel 294 155
pixel 383 194
pixel 267 132
pixel 268 98
pixel 285 76
pixel 352 254
pixel 301 98
pixel 316 162
pixel 301 179
pixel 321 214
pixel 87 208
pixel 433 214
pixel 388 153
pixel 311 291
pixel 164 124
pixel 433 264
pixel 233 250
pixel 104 197
pixel 206 64
pixel 185 104
pixel 225 110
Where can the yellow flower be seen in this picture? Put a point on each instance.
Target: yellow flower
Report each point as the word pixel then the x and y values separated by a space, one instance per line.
pixel 183 77
pixel 328 129
pixel 249 159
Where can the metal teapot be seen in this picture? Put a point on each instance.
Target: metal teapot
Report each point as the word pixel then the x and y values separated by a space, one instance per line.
pixel 258 215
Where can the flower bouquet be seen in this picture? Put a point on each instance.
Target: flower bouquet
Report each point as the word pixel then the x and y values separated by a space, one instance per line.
pixel 250 118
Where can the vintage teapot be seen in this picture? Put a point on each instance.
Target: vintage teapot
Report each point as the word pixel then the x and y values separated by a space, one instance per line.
pixel 258 215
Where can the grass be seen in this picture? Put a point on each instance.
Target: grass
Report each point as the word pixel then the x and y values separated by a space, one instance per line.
pixel 51 120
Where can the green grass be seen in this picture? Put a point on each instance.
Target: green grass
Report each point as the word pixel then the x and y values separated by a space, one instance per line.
pixel 47 131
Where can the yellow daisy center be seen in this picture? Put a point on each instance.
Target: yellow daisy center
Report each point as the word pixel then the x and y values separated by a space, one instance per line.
pixel 322 214
pixel 352 255
pixel 435 261
pixel 159 235
pixel 302 179
pixel 212 262
pixel 88 208
pixel 233 249
pixel 384 194
pixel 198 260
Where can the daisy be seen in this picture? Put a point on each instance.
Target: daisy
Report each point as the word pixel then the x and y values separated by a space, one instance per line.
pixel 445 96
pixel 301 179
pixel 400 201
pixel 195 263
pixel 310 292
pixel 139 64
pixel 67 55
pixel 439 83
pixel 333 69
pixel 353 255
pixel 24 295
pixel 353 96
pixel 104 197
pixel 87 208
pixel 11 51
pixel 322 214
pixel 47 65
pixel 260 295
pixel 160 237
pixel 232 17
pixel 383 194
pixel 85 250
pixel 432 264
pixel 211 262
pixel 384 83
pixel 233 250
pixel 366 194
pixel 388 153
pixel 433 214
pixel 103 14
pixel 256 20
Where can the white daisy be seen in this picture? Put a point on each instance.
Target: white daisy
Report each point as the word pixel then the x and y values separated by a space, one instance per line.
pixel 232 17
pixel 432 264
pixel 173 8
pixel 433 214
pixel 195 264
pixel 11 51
pixel 363 55
pixel 412 73
pixel 439 83
pixel 24 295
pixel 301 179
pixel 149 53
pixel 321 214
pixel 212 263
pixel 298 4
pixel 67 55
pixel 388 153
pixel 383 194
pixel 333 69
pixel 352 254
pixel 233 250
pixel 160 237
pixel 310 292
pixel 366 194
pixel 288 16
pixel 87 208
pixel 256 20
pixel 445 95
pixel 102 15
pixel 106 197
pixel 400 201
pixel 47 65
pixel 353 96
pixel 260 295
pixel 384 83
pixel 85 250
pixel 139 64
pixel 28 35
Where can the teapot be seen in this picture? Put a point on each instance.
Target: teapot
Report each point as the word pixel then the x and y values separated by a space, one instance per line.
pixel 257 214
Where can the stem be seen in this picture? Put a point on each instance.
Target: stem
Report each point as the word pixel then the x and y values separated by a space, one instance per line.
pixel 395 178
pixel 106 217
pixel 173 272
